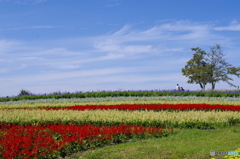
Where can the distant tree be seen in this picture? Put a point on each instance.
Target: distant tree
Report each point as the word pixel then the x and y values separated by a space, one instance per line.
pixel 210 68
pixel 56 93
pixel 196 69
pixel 219 68
pixel 24 93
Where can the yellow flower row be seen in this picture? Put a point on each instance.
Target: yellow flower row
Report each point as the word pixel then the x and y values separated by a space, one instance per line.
pixel 46 105
pixel 110 116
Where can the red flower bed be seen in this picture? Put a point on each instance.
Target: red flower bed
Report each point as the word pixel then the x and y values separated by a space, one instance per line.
pixel 28 141
pixel 151 107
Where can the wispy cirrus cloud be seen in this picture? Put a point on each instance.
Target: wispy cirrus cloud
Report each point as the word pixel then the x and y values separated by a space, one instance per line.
pixel 9 45
pixel 158 39
pixel 233 26
pixel 162 40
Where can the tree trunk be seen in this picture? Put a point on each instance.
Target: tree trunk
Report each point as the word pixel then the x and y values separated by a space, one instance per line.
pixel 213 86
pixel 203 89
pixel 202 86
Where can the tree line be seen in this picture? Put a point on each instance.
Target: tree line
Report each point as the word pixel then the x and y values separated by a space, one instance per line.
pixel 209 68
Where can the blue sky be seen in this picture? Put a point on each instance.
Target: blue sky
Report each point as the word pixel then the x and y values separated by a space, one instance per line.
pixel 84 45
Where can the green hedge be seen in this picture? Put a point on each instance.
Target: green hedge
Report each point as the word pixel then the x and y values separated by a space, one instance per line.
pixel 124 94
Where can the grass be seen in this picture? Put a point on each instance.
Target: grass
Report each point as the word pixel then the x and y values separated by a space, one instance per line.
pixel 185 143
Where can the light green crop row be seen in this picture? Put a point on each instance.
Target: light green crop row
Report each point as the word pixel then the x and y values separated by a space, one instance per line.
pixel 48 105
pixel 114 99
pixel 174 118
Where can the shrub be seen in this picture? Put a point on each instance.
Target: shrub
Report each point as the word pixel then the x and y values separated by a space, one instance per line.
pixel 24 93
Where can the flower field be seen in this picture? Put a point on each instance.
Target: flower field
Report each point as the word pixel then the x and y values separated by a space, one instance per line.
pixel 51 129
pixel 52 140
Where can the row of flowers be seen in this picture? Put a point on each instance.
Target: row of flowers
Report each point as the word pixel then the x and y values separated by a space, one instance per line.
pixel 151 107
pixel 190 118
pixel 54 140
pixel 66 103
pixel 145 107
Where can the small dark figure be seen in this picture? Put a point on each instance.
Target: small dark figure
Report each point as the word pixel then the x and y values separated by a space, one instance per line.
pixel 178 87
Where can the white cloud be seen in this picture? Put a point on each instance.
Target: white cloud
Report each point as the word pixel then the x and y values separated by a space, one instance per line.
pixel 52 76
pixel 109 56
pixel 184 26
pixel 7 45
pixel 66 66
pixel 185 30
pixel 173 37
pixel 87 80
pixel 159 39
pixel 231 27
pixel 110 46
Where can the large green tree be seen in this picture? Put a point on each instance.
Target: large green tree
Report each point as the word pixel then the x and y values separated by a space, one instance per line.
pixel 196 68
pixel 209 67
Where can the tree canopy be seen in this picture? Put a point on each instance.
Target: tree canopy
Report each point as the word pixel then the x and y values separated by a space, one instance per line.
pixel 210 68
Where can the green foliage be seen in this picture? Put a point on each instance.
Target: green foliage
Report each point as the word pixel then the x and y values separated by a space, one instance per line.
pixel 234 71
pixel 196 69
pixel 24 93
pixel 125 94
